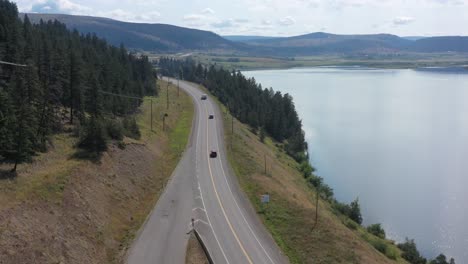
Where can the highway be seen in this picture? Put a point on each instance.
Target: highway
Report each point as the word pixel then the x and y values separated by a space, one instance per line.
pixel 206 190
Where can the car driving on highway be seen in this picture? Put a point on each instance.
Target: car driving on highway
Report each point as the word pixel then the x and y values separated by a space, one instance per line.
pixel 213 154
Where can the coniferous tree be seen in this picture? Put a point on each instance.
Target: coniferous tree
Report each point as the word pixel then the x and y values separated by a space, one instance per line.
pixel 65 77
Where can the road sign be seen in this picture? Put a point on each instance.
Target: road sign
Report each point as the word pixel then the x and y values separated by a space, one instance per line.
pixel 265 198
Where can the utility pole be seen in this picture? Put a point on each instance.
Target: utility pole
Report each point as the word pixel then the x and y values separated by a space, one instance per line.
pixel 164 121
pixel 265 164
pixel 151 114
pixel 232 128
pixel 178 88
pixel 167 94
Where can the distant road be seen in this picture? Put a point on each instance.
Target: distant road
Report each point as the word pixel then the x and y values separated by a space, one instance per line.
pixel 205 189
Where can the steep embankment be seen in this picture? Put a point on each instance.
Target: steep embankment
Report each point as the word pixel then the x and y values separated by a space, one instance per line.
pixel 290 216
pixel 61 209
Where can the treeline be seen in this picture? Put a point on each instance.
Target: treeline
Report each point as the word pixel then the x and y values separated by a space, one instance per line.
pixel 263 109
pixel 60 77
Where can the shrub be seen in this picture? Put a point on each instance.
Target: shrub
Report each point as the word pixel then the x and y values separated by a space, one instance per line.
pixel 115 129
pixel 353 210
pixel 376 230
pixel 379 245
pixel 131 128
pixel 410 252
pixel 262 135
pixel 326 192
pixel 93 136
pixel 316 181
pixel 351 224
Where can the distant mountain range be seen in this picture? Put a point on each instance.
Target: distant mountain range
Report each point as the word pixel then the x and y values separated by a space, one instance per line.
pixel 165 38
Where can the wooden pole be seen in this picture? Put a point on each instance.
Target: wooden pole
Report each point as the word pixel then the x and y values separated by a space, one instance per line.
pixel 151 114
pixel 167 96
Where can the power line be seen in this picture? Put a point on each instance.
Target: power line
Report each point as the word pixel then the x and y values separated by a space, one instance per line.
pixel 137 98
pixel 126 96
pixel 13 64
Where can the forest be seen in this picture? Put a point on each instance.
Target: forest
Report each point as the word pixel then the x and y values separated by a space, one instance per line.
pixel 51 77
pixel 265 110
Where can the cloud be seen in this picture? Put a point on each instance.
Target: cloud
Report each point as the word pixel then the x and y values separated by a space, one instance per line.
pixel 194 17
pixel 59 6
pixel 119 14
pixel 208 11
pixel 223 23
pixel 450 2
pixel 241 20
pixel 403 20
pixel 287 21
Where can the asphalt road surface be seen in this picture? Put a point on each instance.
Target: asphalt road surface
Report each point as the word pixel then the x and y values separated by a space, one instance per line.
pixel 206 190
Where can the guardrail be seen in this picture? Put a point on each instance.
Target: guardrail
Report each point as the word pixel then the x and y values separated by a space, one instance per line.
pixel 205 249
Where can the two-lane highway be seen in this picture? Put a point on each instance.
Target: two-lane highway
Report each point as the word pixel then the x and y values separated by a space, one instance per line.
pixel 223 216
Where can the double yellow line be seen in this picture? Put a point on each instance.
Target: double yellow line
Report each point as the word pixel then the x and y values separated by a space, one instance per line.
pixel 217 195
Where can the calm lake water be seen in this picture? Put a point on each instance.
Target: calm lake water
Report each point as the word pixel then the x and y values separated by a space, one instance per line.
pixel 397 139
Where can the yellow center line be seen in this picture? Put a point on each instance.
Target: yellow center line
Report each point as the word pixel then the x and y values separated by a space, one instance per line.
pixel 219 200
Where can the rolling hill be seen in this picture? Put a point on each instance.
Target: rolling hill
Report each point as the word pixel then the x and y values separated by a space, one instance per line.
pixel 142 36
pixel 321 42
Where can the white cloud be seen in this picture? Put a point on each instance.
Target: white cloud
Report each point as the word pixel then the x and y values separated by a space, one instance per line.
pixel 119 14
pixel 287 21
pixel 208 11
pixel 194 17
pixel 223 23
pixel 403 20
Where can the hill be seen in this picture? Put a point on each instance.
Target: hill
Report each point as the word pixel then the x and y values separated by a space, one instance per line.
pixel 143 36
pixel 441 44
pixel 242 38
pixel 325 43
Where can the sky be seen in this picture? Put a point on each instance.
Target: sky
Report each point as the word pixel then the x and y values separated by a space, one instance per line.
pixel 278 17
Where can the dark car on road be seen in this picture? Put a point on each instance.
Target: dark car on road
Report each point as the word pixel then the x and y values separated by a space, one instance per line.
pixel 211 117
pixel 203 97
pixel 213 154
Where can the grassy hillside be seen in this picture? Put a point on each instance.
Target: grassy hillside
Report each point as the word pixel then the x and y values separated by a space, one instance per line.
pixel 60 209
pixel 143 36
pixel 290 216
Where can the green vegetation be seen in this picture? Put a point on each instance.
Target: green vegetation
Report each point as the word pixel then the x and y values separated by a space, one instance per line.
pixel 376 230
pixel 61 78
pixel 410 252
pixel 442 259
pixel 391 61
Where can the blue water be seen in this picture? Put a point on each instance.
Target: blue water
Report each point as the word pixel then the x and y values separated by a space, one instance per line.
pixel 397 139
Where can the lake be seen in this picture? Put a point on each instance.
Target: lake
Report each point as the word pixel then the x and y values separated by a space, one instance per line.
pixel 397 139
